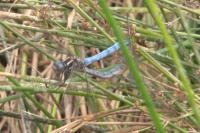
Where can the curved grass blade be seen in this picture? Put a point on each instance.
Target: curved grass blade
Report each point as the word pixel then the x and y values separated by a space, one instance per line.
pixel 156 14
pixel 133 67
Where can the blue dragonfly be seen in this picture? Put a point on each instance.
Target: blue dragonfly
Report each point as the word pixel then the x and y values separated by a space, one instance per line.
pixel 65 68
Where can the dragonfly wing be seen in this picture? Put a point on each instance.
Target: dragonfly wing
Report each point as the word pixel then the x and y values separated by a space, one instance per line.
pixel 109 73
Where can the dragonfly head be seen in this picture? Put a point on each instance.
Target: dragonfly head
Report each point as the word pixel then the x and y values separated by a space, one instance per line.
pixel 70 64
pixel 64 68
pixel 58 66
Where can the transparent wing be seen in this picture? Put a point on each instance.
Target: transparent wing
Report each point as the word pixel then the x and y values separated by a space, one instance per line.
pixel 108 72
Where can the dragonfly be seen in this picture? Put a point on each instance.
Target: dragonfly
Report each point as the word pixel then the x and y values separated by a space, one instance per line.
pixel 71 64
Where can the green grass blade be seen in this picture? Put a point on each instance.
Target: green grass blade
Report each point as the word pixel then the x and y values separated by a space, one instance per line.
pixel 154 10
pixel 133 67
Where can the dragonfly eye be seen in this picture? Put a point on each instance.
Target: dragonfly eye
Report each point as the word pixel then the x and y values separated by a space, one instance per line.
pixel 58 66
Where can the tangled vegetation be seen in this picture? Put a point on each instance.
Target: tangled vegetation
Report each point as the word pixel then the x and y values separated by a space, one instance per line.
pixel 157 91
